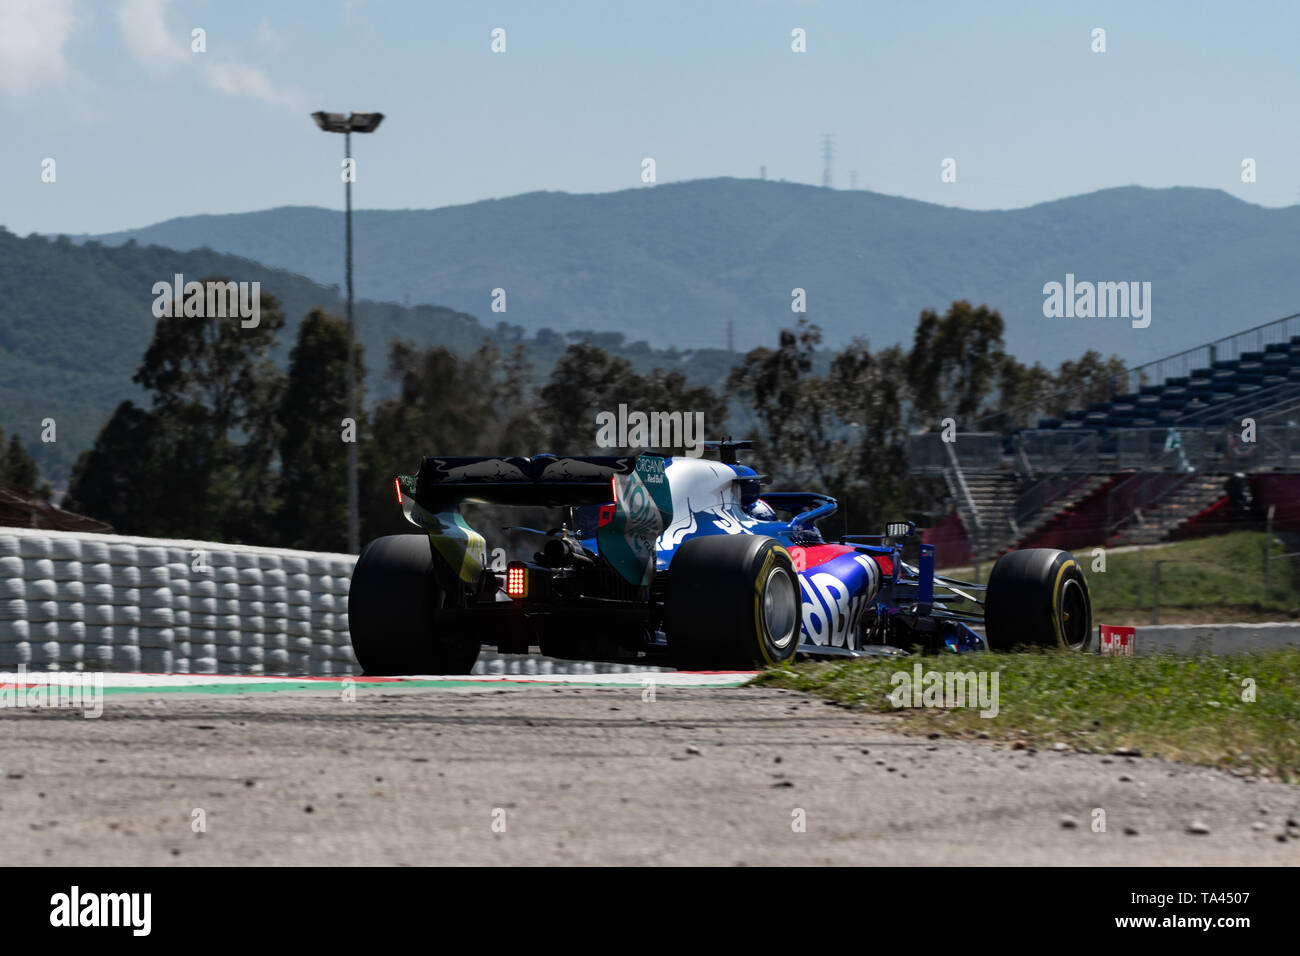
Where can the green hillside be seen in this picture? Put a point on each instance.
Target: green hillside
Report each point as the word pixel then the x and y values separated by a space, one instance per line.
pixel 76 319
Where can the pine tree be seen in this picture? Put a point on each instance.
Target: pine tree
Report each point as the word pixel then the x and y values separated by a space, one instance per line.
pixel 313 452
pixel 18 471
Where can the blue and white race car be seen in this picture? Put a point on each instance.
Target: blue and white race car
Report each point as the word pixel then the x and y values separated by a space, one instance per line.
pixel 677 561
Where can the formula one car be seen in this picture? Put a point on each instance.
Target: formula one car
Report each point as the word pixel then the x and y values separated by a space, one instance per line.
pixel 677 561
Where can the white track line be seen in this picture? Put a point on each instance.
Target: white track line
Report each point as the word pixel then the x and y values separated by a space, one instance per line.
pixel 660 678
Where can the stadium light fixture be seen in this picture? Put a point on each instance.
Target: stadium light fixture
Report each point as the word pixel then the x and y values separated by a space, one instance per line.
pixel 348 122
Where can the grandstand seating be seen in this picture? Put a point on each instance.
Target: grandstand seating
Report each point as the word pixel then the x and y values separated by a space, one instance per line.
pixel 1111 472
pixel 1254 383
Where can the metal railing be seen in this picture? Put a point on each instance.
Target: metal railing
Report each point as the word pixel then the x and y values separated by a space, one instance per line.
pixel 960 480
pixel 1159 449
pixel 1270 403
pixel 1044 493
pixel 1178 364
pixel 929 454
pixel 1230 347
pixel 1150 490
pixel 1205 448
pixel 1051 450
pixel 1208 450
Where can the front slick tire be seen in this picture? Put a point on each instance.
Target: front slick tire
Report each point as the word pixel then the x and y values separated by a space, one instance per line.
pixel 393 606
pixel 733 603
pixel 1038 597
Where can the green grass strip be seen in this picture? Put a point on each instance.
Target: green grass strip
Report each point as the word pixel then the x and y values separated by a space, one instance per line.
pixel 1195 709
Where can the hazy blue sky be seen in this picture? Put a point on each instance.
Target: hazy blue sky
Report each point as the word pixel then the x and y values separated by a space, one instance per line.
pixel 142 129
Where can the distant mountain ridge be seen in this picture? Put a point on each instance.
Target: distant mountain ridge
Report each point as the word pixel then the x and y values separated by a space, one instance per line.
pixel 675 263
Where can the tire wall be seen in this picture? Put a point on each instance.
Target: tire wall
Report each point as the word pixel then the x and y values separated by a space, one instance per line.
pixel 71 601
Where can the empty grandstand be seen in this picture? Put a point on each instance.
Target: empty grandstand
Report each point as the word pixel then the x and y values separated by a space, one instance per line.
pixel 1200 441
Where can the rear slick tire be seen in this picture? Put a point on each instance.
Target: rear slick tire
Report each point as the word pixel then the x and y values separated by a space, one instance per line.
pixel 393 611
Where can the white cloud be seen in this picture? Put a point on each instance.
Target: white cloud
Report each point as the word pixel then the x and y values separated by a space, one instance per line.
pixel 240 79
pixel 145 33
pixel 33 34
pixel 154 45
pixel 268 38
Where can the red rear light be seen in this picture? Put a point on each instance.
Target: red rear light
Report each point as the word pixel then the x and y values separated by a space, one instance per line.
pixel 607 511
pixel 517 580
pixel 397 483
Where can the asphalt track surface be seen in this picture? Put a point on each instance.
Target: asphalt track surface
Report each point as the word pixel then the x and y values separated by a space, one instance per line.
pixel 496 773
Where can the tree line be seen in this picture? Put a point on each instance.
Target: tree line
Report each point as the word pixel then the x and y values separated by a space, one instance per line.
pixel 228 447
pixel 18 471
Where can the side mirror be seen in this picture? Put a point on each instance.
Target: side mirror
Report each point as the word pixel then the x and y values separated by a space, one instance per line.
pixel 899 529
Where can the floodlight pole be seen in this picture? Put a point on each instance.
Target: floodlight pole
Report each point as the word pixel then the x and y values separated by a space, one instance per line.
pixel 347 124
pixel 354 517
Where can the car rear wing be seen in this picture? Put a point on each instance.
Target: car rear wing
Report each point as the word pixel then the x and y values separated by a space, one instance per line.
pixel 543 480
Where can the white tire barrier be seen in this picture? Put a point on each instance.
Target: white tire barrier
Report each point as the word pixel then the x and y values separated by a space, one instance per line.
pixel 71 601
